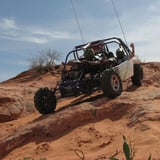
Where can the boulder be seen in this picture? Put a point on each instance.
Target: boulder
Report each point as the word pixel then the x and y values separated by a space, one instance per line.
pixel 10 108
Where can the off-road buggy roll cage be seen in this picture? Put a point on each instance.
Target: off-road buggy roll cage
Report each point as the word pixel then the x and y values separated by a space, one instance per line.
pixel 82 75
pixel 96 43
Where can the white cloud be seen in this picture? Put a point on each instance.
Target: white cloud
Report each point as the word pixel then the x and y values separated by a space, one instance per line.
pixel 51 34
pixel 7 24
pixel 34 39
pixel 11 31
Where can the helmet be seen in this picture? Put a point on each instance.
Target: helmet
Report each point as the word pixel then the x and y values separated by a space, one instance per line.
pixel 112 61
pixel 119 53
pixel 89 54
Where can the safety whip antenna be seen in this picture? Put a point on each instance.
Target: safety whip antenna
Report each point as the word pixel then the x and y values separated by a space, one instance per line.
pixel 117 15
pixel 77 21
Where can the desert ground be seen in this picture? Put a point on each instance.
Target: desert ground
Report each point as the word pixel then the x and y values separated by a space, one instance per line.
pixel 86 127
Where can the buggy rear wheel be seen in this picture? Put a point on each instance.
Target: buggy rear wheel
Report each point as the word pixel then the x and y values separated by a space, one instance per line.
pixel 138 75
pixel 45 101
pixel 111 84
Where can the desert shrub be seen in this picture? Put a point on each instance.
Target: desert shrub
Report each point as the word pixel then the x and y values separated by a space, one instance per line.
pixel 45 61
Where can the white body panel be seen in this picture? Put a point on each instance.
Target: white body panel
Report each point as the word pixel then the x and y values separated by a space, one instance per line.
pixel 125 70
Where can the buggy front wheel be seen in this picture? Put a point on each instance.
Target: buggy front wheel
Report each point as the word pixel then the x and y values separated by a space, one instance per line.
pixel 45 101
pixel 111 84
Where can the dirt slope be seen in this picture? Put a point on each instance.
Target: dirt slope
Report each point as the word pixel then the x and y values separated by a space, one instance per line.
pixel 87 127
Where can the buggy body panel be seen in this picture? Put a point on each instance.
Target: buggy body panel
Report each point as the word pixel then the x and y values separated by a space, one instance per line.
pixel 125 69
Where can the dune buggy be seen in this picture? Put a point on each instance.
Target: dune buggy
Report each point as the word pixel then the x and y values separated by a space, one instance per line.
pixel 98 65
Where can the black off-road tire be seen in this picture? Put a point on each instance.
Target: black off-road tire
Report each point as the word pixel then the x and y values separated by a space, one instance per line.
pixel 138 75
pixel 111 84
pixel 45 101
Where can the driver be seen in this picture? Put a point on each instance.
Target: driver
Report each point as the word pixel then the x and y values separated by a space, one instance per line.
pixel 89 54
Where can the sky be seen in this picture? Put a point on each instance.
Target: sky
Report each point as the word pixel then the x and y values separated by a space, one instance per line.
pixel 28 27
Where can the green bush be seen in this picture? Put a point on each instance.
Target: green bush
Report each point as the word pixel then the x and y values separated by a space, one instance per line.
pixel 128 151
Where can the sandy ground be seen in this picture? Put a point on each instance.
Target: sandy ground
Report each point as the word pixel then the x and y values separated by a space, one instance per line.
pixel 138 121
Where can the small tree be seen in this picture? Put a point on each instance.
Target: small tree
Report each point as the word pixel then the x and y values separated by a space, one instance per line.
pixel 45 61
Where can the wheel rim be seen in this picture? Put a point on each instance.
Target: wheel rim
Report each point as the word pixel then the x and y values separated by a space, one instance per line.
pixel 115 83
